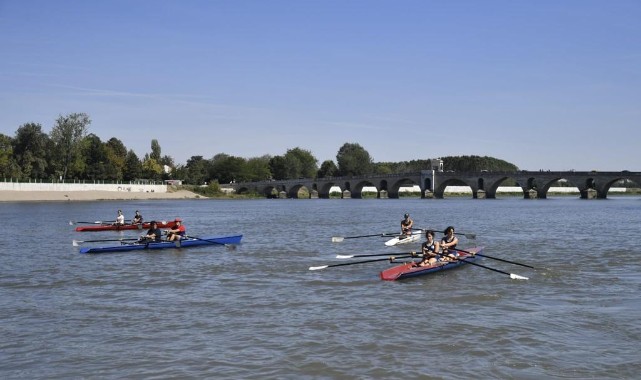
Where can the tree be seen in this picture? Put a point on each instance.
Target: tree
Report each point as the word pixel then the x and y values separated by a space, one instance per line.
pixel 328 169
pixel 31 149
pixel 133 168
pixel 258 168
pixel 151 168
pixel 196 170
pixel 300 163
pixel 67 135
pixel 6 155
pixel 278 168
pixel 116 155
pixel 226 169
pixel 95 156
pixel 353 160
pixel 155 150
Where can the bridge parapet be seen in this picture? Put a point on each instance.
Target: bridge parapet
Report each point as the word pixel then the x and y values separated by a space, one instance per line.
pixel 484 184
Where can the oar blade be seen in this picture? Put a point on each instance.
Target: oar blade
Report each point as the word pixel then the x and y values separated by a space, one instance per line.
pixel 337 239
pixel 517 277
pixel 344 256
pixel 318 268
pixel 75 243
pixel 470 236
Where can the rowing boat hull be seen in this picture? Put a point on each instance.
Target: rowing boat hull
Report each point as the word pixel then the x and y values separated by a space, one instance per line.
pixel 405 239
pixel 403 271
pixel 111 227
pixel 184 243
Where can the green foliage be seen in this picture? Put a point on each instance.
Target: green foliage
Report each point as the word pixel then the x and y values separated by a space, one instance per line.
pixel 300 163
pixel 328 169
pixel 67 136
pixel 277 165
pixel 6 155
pixel 133 168
pixel 151 169
pixel 69 152
pixel 477 163
pixel 116 153
pixel 258 168
pixel 226 169
pixel 196 171
pixel 211 190
pixel 31 151
pixel 155 150
pixel 353 160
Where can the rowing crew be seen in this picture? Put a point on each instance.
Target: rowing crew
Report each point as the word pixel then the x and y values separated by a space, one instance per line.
pixel 154 233
pixel 434 251
pixel 120 219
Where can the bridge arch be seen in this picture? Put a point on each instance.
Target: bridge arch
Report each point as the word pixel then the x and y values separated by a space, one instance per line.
pixel 439 191
pixel 357 191
pixel 393 191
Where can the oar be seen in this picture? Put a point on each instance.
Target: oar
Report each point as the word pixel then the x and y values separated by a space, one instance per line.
pixel 71 222
pixel 338 239
pixel 229 246
pixel 512 275
pixel 391 258
pixel 496 258
pixel 75 243
pixel 412 254
pixel 467 235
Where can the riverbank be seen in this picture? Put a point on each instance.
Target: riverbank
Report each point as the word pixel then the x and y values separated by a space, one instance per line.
pixel 91 195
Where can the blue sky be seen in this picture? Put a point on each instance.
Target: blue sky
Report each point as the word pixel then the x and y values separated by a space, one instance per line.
pixel 542 84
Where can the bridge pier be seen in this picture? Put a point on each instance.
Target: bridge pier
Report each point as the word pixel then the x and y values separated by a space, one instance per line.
pixel 347 194
pixel 382 194
pixel 589 194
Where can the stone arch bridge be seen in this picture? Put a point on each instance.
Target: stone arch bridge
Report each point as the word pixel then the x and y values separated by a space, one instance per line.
pixel 484 184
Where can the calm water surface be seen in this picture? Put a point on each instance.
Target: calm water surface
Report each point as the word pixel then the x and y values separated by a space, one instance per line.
pixel 257 311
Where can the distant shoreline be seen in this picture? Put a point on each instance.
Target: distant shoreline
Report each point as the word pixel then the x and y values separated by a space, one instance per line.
pixel 91 195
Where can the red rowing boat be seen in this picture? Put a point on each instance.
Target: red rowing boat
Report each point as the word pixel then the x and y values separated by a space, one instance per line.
pixel 408 270
pixel 139 226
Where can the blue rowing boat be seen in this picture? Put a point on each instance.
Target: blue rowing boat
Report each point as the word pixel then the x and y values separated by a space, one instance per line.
pixel 183 243
pixel 408 270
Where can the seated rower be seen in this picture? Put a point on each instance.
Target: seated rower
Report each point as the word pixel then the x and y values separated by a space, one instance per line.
pixel 120 219
pixel 406 226
pixel 176 232
pixel 153 234
pixel 429 249
pixel 448 243
pixel 137 218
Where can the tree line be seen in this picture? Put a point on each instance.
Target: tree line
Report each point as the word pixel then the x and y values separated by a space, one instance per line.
pixel 70 152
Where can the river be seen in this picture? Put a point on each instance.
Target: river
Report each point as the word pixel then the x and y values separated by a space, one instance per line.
pixel 257 311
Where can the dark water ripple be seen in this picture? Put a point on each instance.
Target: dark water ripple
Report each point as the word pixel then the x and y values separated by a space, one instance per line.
pixel 257 311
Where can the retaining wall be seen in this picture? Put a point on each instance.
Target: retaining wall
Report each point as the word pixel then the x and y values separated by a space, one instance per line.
pixel 120 187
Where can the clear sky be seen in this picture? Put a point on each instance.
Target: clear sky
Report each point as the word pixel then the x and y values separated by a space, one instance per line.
pixel 541 84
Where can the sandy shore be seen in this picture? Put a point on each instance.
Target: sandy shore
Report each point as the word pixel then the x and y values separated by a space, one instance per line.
pixel 66 196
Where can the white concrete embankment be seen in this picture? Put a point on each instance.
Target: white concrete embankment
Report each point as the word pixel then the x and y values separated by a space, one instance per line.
pixel 47 186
